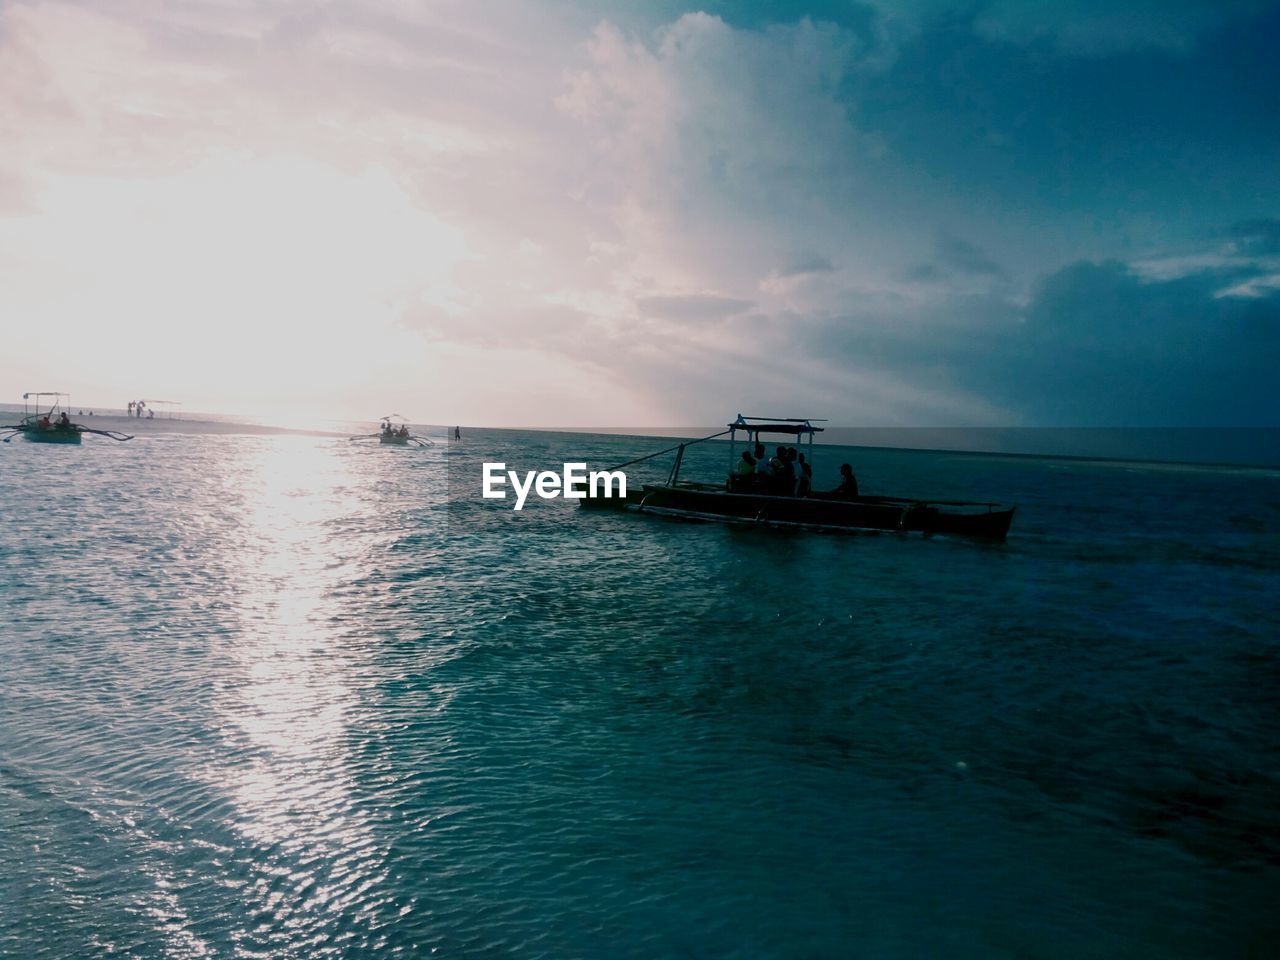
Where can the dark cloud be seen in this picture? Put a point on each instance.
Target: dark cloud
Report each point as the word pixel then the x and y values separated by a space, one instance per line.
pixel 1101 346
pixel 1257 237
pixel 956 257
pixel 806 265
pixel 963 257
pixel 1096 345
pixel 693 306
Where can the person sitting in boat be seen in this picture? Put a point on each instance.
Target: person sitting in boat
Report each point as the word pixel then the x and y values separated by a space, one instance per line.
pixel 784 477
pixel 44 422
pixel 783 473
pixel 848 483
pixel 744 473
pixel 404 430
pixel 793 463
pixel 759 479
pixel 804 477
pixel 64 422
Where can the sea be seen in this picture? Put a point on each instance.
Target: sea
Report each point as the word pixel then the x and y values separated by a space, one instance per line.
pixel 300 697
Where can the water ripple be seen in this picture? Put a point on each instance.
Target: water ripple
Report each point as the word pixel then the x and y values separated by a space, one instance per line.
pixel 283 697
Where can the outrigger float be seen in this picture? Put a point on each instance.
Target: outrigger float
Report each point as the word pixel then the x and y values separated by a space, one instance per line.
pixel 744 500
pixel 52 425
pixel 395 432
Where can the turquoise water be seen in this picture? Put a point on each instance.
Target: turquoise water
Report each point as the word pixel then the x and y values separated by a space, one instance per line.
pixel 288 697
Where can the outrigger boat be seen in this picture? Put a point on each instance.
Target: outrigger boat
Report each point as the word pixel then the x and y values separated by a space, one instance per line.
pixel 395 432
pixel 52 425
pixel 745 499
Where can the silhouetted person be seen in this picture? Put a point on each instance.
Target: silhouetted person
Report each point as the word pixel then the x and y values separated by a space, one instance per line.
pixel 804 477
pixel 457 433
pixel 784 475
pixel 793 467
pixel 848 482
pixel 64 422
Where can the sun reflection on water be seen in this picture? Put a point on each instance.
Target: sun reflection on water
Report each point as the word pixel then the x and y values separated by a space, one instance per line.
pixel 290 711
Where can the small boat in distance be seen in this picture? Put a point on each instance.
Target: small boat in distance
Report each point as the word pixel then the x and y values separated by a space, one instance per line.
pixel 394 431
pixel 768 501
pixel 51 425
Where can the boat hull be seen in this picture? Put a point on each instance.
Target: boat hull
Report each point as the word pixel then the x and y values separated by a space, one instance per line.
pixel 52 436
pixel 816 513
pixel 394 440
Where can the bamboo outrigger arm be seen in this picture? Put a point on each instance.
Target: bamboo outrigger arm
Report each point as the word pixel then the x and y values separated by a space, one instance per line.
pixel 12 430
pixel 110 434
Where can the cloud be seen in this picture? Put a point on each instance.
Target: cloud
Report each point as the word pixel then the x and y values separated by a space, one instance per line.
pixel 1252 288
pixel 804 269
pixel 1101 345
pixel 1259 237
pixel 729 144
pixel 964 257
pixel 880 202
pixel 693 306
pixel 1096 344
pixel 1246 267
pixel 807 265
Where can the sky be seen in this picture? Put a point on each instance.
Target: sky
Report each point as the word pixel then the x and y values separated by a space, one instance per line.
pixel 607 213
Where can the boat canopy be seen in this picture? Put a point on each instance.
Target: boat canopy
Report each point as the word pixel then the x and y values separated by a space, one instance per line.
pixel 37 399
pixel 796 426
pixel 752 426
